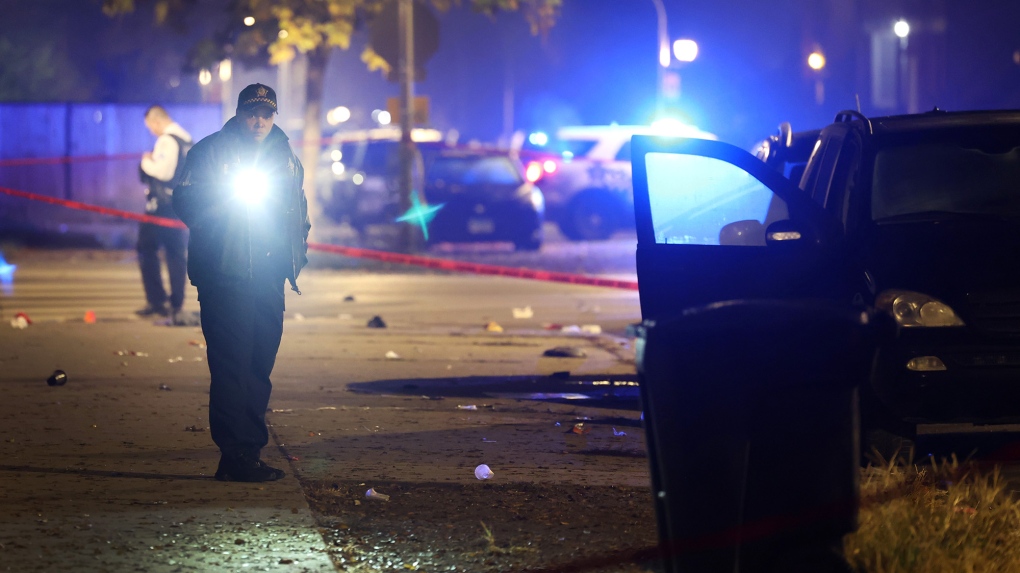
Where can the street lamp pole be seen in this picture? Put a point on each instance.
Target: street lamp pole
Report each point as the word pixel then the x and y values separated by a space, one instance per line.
pixel 408 239
pixel 664 55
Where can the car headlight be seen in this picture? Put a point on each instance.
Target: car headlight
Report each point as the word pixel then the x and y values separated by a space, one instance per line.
pixel 251 186
pixel 537 200
pixel 917 309
pixel 533 195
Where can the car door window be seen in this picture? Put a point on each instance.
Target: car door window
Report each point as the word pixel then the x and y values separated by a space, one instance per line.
pixel 705 201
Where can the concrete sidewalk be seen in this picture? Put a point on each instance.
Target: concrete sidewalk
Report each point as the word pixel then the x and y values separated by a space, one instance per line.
pixel 112 473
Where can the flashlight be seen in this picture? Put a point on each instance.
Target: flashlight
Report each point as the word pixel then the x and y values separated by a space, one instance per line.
pixel 251 186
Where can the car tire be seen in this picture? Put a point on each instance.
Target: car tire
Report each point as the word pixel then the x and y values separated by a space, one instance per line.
pixel 591 216
pixel 881 447
pixel 884 437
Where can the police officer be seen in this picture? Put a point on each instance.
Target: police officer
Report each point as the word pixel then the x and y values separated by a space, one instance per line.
pixel 160 171
pixel 242 199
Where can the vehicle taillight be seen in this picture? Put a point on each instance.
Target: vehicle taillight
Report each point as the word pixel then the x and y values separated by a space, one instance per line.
pixel 534 171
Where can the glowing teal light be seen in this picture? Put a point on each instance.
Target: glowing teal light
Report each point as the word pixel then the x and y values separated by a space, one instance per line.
pixel 420 214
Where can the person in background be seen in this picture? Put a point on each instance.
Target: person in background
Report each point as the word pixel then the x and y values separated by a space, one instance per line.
pixel 242 200
pixel 160 171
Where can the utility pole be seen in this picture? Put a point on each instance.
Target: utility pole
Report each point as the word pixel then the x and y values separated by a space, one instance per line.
pixel 664 54
pixel 408 233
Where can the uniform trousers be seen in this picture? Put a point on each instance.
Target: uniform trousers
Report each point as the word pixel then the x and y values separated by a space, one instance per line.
pixel 243 323
pixel 174 243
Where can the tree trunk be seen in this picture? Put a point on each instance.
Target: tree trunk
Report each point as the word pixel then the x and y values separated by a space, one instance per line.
pixel 318 59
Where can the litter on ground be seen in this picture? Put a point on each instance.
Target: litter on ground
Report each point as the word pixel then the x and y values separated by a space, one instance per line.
pixel 525 312
pixel 565 352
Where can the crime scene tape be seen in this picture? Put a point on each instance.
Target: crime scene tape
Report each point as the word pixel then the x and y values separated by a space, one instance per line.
pixel 77 205
pixel 355 252
pixel 21 162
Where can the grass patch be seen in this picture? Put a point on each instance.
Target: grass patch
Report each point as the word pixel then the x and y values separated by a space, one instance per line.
pixel 937 517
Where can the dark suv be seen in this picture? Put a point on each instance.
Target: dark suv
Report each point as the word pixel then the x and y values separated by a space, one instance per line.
pixel 930 207
pixel 915 218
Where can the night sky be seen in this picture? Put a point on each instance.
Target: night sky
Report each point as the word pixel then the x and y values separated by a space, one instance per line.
pixel 597 65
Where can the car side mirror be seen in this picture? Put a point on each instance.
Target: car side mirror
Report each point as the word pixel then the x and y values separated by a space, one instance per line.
pixel 747 233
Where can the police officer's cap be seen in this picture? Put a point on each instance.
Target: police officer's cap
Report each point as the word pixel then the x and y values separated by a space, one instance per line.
pixel 256 96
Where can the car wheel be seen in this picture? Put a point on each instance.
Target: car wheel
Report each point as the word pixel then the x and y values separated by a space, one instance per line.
pixel 881 447
pixel 884 437
pixel 591 216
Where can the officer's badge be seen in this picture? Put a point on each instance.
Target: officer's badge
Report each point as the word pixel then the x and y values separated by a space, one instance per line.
pixel 291 166
pixel 261 91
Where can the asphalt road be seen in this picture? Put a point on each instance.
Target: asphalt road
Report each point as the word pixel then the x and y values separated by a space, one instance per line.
pixel 111 472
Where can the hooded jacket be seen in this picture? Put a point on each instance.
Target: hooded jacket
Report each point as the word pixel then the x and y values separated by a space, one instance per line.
pixel 230 238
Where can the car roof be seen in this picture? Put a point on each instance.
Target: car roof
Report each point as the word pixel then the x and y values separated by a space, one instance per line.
pixel 597 132
pixel 935 119
pixel 386 134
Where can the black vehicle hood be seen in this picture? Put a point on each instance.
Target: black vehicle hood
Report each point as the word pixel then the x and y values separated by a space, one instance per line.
pixel 946 259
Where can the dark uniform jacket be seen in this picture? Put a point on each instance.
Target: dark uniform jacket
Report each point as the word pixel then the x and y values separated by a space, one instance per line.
pixel 229 239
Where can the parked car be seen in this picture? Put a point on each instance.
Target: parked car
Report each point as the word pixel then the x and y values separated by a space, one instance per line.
pixel 585 174
pixel 914 217
pixel 483 192
pixel 931 211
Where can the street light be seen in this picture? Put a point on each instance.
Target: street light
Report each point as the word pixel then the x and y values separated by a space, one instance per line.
pixel 226 70
pixel 685 50
pixel 338 115
pixel 901 28
pixel 816 61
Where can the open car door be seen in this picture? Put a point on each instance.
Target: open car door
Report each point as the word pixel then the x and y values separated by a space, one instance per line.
pixel 748 349
pixel 714 223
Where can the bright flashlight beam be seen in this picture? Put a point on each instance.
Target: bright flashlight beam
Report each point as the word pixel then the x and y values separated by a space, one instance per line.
pixel 251 186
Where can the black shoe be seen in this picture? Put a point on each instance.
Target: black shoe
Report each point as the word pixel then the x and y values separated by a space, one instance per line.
pixel 247 469
pixel 151 310
pixel 177 318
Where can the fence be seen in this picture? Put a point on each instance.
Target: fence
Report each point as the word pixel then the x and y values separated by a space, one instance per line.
pixel 81 152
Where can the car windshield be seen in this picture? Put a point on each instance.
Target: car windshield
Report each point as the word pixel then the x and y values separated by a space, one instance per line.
pixel 474 171
pixel 941 179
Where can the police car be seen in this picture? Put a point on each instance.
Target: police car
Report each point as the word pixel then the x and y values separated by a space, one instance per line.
pixel 585 174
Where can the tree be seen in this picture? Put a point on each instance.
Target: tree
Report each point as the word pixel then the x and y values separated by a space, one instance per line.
pixel 284 28
pixel 39 72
